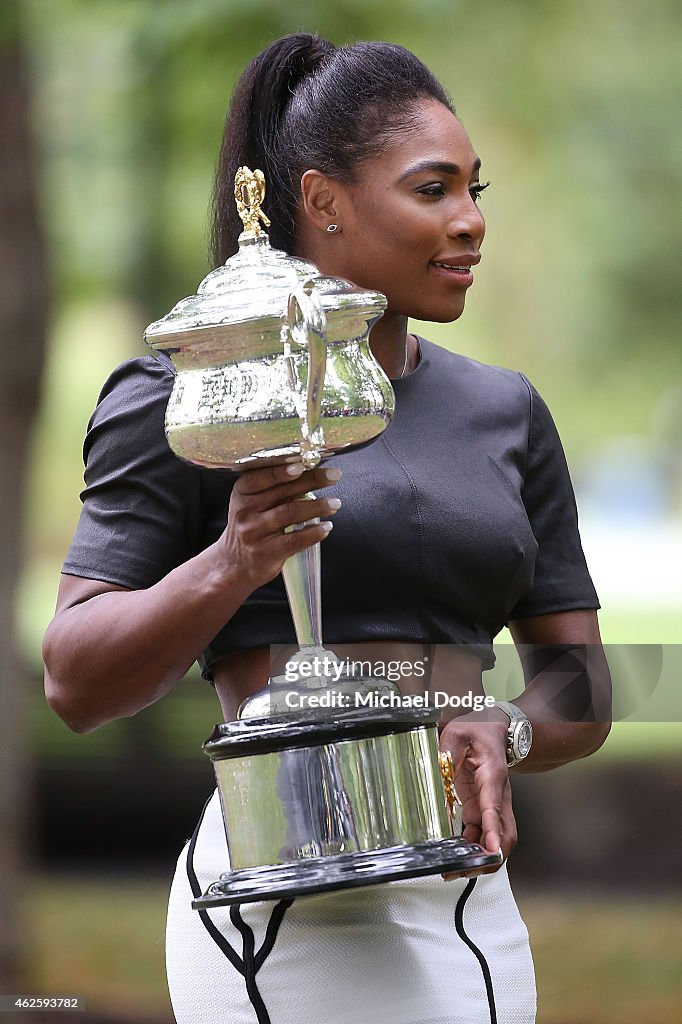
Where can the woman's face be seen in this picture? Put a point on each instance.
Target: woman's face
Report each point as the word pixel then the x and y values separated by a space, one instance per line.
pixel 411 218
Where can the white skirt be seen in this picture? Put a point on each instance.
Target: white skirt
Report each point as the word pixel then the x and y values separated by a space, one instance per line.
pixel 421 951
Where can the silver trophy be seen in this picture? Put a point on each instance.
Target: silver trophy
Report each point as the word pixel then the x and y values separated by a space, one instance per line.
pixel 273 361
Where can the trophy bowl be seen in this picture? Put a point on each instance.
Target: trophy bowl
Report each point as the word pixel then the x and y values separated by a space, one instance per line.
pixel 272 359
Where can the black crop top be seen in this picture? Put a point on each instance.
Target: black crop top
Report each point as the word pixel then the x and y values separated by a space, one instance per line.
pixel 459 518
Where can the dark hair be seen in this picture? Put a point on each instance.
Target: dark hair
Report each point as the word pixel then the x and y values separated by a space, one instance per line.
pixel 302 104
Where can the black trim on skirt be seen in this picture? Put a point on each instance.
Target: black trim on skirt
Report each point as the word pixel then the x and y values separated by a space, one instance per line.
pixel 217 936
pixel 459 925
pixel 251 961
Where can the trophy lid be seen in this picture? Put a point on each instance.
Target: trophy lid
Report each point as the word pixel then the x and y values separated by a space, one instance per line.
pixel 253 287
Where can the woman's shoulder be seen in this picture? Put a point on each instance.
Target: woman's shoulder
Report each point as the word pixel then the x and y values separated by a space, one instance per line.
pixel 146 374
pixel 137 386
pixel 453 370
pixel 131 407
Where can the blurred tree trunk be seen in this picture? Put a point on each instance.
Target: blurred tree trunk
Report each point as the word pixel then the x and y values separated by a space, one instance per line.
pixel 23 301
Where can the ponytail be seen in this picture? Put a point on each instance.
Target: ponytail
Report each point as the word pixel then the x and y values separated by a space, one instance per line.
pixel 252 131
pixel 302 103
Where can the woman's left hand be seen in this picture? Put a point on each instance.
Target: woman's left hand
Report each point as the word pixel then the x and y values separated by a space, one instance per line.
pixel 478 748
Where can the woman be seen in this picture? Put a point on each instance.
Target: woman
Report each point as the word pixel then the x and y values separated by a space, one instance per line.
pixel 460 519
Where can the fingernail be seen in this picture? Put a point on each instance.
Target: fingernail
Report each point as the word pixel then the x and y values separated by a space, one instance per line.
pixel 333 474
pixel 334 503
pixel 327 526
pixel 296 469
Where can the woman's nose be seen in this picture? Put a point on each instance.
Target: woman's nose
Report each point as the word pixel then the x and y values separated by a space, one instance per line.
pixel 467 221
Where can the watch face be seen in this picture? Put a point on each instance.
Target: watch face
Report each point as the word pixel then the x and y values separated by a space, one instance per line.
pixel 524 738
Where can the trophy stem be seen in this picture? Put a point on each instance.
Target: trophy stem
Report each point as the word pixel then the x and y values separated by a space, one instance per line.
pixel 302 579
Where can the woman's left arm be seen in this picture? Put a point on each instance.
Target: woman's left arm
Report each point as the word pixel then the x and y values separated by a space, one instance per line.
pixel 568 687
pixel 568 701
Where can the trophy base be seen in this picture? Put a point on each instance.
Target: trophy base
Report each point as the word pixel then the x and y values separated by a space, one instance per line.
pixel 346 871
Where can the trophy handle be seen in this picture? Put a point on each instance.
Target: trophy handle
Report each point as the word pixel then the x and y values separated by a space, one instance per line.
pixel 306 325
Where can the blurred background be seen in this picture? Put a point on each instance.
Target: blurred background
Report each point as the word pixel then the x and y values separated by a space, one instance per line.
pixel 110 118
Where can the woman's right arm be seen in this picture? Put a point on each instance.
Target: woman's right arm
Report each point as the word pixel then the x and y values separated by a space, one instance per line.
pixel 110 651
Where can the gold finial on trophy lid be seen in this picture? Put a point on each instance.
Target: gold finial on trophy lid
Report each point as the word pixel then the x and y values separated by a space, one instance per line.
pixel 249 192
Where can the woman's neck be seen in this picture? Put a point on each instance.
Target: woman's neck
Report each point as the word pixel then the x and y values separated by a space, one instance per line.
pixel 392 348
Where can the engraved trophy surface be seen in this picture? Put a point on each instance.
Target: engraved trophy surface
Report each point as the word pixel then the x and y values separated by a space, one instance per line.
pixel 272 360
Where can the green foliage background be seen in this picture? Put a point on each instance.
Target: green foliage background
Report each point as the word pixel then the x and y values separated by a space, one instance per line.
pixel 572 108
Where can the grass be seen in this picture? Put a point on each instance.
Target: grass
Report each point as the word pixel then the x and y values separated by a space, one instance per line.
pixel 102 940
pixel 611 959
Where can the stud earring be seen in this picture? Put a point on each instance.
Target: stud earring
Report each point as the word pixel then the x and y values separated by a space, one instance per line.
pixel 331 228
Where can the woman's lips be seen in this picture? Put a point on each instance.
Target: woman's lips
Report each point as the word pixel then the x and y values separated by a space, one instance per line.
pixel 456 275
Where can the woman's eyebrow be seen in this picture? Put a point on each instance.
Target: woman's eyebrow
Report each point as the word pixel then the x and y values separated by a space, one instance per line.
pixel 440 167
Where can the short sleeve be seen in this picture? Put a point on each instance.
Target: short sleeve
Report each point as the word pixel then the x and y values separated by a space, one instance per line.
pixel 140 502
pixel 561 580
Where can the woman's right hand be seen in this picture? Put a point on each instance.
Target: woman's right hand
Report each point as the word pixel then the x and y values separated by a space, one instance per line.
pixel 264 502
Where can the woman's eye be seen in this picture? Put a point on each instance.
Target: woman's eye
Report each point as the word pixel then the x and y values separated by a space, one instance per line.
pixel 475 190
pixel 436 189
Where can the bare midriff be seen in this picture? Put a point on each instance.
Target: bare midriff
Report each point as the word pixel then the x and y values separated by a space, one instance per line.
pixel 415 668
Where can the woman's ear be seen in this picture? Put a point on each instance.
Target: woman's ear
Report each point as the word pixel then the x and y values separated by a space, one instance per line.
pixel 319 199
